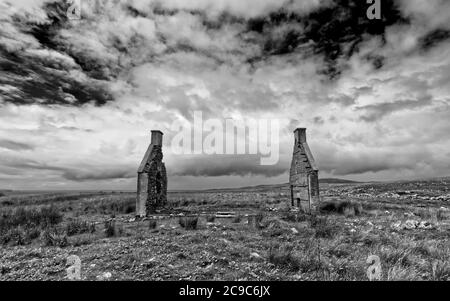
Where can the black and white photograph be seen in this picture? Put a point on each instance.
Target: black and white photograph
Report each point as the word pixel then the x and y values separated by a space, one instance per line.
pixel 235 142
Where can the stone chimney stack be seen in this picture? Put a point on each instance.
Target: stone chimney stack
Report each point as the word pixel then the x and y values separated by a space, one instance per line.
pixel 157 137
pixel 300 135
pixel 152 178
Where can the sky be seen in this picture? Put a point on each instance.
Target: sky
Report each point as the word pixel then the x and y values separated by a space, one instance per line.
pixel 78 98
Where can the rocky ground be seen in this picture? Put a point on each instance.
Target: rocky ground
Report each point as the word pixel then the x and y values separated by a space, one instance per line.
pixel 405 224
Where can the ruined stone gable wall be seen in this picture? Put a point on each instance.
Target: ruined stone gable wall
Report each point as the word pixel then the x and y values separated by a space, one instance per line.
pixel 157 181
pixel 152 178
pixel 300 166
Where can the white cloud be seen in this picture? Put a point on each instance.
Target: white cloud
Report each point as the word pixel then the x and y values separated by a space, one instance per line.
pixel 369 123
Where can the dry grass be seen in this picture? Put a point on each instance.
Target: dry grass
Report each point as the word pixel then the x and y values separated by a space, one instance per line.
pixel 188 223
pixel 332 245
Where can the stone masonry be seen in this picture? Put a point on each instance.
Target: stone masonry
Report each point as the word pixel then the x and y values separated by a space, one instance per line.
pixel 152 178
pixel 304 174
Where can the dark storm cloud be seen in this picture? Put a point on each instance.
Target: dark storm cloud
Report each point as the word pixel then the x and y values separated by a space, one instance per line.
pixel 36 67
pixel 332 30
pixel 21 166
pixel 14 145
pixel 434 38
pixel 28 164
pixel 222 165
pixel 89 175
pixel 341 163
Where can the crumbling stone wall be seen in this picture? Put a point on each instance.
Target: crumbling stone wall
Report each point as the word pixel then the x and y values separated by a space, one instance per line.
pixel 152 178
pixel 304 177
pixel 157 182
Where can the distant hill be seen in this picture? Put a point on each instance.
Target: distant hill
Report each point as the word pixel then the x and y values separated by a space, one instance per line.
pixel 271 187
pixel 337 181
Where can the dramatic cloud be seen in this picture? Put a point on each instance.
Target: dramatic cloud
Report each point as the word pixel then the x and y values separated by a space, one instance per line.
pixel 78 97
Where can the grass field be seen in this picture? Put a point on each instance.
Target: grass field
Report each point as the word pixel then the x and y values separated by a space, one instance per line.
pixel 406 224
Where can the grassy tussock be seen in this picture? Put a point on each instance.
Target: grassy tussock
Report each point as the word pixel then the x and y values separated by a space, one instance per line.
pixel 21 226
pixel 324 227
pixel 110 228
pixel 152 224
pixel 188 223
pixel 75 227
pixel 346 208
pixel 53 238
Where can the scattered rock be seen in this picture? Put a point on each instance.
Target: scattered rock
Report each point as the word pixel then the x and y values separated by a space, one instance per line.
pixel 255 255
pixel 104 276
pixel 410 224
pixel 425 225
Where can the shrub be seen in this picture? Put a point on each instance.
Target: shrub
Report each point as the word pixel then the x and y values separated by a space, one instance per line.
pixel 349 211
pixel 259 218
pixel 52 238
pixel 323 227
pixel 152 224
pixel 33 233
pixel 289 216
pixel 92 228
pixel 49 216
pixel 189 223
pixel 110 228
pixel 341 207
pixel 284 257
pixel 77 227
pixel 15 236
pixel 358 208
